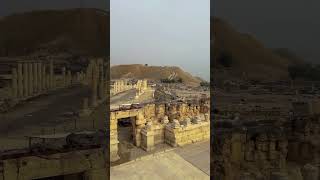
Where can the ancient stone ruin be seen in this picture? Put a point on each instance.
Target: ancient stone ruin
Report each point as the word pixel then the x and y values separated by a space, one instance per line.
pixel 168 123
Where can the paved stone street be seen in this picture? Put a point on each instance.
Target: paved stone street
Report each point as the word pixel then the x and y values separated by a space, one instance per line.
pixel 161 166
pixel 187 163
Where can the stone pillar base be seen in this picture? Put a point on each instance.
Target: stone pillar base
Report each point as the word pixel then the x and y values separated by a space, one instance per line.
pixel 147 139
pixel 114 156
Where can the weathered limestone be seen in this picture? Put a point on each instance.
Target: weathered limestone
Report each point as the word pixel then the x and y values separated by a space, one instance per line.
pixel 101 83
pixel 279 176
pixel 122 85
pixel 63 70
pixel 91 163
pixel 78 77
pixel 51 74
pixel 40 87
pixel 310 172
pixel 69 78
pixel 48 80
pixel 147 138
pixel 25 80
pixel 35 77
pixel 113 138
pixel 20 81
pixel 246 176
pixel 180 136
pixel 44 78
pixel 165 120
pixel 94 86
pixel 85 111
pixel 152 127
pixel 14 80
pixel 30 78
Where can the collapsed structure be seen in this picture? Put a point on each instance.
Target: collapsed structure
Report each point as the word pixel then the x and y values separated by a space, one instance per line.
pixel 174 123
pixel 253 140
pixel 66 156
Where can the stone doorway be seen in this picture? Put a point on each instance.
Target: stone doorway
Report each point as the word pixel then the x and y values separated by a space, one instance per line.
pixel 126 137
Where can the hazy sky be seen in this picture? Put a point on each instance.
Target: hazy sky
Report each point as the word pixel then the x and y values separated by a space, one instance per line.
pixel 162 32
pixel 292 24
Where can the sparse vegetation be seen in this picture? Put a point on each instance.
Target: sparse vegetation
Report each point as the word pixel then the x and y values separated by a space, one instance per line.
pixel 204 84
pixel 179 80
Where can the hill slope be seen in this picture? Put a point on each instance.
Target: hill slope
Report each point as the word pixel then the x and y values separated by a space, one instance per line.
pixel 79 31
pixel 246 54
pixel 139 71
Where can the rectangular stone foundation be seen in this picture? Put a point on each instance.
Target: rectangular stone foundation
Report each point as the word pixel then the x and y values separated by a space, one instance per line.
pixel 187 135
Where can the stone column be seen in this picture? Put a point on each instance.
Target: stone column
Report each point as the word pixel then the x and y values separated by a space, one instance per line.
pixel 39 64
pixel 113 139
pixel 14 80
pixel 44 77
pixel 25 80
pixel 78 76
pixel 69 78
pixel 35 77
pixel 147 138
pixel 51 74
pixel 94 86
pixel 63 70
pixel 89 74
pixel 85 107
pixel 20 80
pixel 30 78
pixel 48 80
pixel 101 84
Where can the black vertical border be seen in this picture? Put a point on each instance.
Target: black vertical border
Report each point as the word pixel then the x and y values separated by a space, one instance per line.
pixel 212 104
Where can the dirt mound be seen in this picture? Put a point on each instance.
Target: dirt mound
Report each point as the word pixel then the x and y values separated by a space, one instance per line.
pixel 156 73
pixel 79 31
pixel 244 53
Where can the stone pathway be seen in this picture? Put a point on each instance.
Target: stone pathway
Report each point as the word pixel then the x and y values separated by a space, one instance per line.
pixel 160 166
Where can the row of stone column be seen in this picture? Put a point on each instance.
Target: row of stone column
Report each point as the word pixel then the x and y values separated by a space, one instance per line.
pixel 121 86
pixel 141 86
pixel 96 80
pixel 31 78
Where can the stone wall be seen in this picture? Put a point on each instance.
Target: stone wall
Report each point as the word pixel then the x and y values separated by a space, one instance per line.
pixel 286 151
pixel 92 163
pixel 183 135
pixel 152 123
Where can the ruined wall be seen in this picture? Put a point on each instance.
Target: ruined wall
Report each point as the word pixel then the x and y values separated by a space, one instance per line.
pixel 159 133
pixel 267 152
pixel 92 163
pixel 151 122
pixel 180 136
